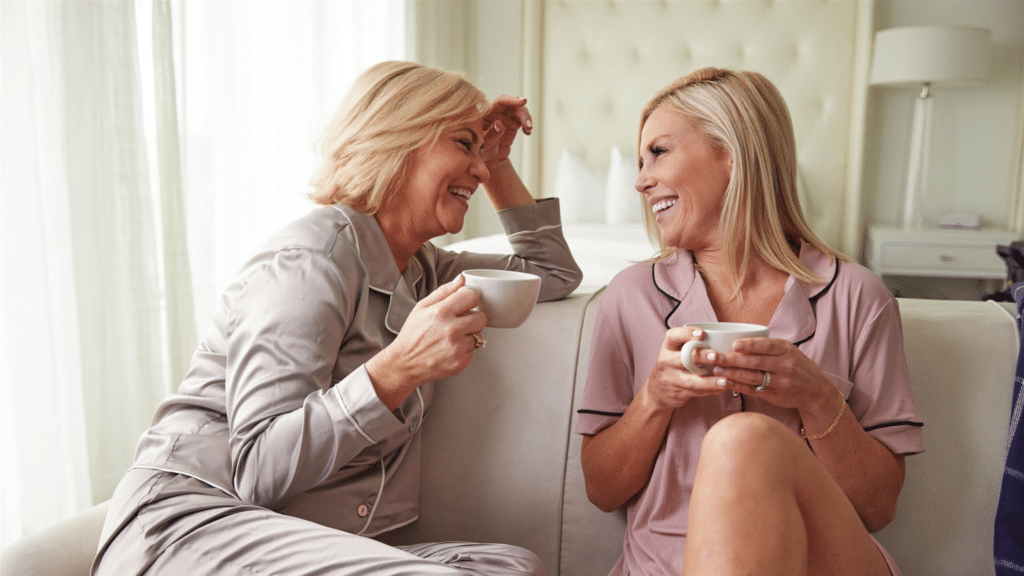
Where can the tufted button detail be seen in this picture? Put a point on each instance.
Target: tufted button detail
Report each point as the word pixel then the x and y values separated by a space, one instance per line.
pixel 363 510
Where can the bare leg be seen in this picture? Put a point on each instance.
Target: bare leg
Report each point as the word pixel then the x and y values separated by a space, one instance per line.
pixel 762 504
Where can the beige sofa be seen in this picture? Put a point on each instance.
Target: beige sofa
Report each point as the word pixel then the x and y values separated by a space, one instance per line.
pixel 502 464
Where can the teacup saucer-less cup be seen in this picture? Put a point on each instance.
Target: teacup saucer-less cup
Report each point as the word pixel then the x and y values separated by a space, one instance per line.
pixel 718 336
pixel 507 297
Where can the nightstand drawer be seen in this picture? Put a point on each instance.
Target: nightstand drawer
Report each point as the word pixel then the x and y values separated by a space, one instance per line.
pixel 941 260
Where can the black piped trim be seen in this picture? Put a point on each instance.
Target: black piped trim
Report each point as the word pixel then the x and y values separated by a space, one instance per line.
pixel 891 424
pixel 599 413
pixel 815 297
pixel 678 302
pixel 827 286
pixel 805 339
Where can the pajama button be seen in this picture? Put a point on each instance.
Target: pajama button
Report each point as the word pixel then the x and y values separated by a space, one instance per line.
pixel 415 424
pixel 363 510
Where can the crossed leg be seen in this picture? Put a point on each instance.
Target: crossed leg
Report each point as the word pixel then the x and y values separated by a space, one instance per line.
pixel 763 504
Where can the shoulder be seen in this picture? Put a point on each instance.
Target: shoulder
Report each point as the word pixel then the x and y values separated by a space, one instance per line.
pixel 844 282
pixel 861 286
pixel 856 302
pixel 634 280
pixel 319 230
pixel 320 244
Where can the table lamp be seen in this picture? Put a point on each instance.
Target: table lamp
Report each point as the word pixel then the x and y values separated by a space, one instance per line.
pixel 922 56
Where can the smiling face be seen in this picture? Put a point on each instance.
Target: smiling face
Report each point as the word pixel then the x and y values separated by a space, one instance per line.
pixel 684 178
pixel 434 196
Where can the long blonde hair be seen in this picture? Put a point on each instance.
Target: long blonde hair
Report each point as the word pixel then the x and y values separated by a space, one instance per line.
pixel 392 109
pixel 744 114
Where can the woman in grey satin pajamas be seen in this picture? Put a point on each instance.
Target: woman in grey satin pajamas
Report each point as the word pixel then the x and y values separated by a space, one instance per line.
pixel 294 438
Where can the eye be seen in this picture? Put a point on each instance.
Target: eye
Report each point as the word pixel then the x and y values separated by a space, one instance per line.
pixel 465 144
pixel 657 150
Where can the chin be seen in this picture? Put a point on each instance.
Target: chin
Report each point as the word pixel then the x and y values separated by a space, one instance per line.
pixel 456 228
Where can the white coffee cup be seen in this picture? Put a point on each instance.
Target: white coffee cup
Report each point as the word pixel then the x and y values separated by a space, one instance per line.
pixel 718 336
pixel 506 297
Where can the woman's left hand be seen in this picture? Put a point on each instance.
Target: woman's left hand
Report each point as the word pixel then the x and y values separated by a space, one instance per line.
pixel 507 115
pixel 790 379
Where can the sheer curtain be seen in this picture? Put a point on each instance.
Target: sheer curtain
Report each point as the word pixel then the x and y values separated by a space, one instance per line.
pixel 147 148
pixel 260 82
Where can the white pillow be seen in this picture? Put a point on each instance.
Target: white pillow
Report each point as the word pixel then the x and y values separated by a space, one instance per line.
pixel 623 202
pixel 581 191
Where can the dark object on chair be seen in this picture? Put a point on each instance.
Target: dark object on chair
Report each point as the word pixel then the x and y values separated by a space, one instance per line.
pixel 1008 545
pixel 1013 255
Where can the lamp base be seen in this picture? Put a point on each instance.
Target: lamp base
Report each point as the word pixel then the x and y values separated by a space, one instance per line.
pixel 917 171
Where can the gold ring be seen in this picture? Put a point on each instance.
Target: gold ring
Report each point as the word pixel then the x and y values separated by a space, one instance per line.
pixel 480 343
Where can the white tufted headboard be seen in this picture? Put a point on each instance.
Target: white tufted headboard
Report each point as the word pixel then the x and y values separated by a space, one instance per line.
pixel 592 64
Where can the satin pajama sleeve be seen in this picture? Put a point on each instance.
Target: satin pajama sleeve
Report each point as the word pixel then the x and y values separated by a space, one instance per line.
pixel 289 427
pixel 538 246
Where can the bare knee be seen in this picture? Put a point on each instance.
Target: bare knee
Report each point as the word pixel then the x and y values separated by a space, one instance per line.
pixel 746 441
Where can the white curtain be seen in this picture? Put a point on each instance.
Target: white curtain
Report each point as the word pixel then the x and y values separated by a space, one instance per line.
pixel 261 81
pixel 141 164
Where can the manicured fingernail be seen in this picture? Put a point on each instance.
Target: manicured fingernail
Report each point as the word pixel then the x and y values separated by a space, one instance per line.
pixel 711 356
pixel 718 370
pixel 737 346
pixel 720 382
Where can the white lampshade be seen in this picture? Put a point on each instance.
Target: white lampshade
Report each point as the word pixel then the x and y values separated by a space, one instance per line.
pixel 934 54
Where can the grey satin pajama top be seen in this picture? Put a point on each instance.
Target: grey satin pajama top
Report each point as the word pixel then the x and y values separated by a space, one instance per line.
pixel 277 408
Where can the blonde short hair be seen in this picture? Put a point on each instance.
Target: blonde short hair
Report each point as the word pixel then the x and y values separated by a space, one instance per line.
pixel 392 109
pixel 744 114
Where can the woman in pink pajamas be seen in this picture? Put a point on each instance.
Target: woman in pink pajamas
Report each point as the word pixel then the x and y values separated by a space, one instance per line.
pixel 791 453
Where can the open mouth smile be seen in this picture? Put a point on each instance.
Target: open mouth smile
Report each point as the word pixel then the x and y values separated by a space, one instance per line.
pixel 662 205
pixel 463 193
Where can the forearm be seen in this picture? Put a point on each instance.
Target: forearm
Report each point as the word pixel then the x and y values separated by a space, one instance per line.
pixel 617 462
pixel 869 474
pixel 392 382
pixel 504 187
pixel 274 459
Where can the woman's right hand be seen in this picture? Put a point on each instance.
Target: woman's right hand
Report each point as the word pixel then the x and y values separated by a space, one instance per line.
pixel 670 384
pixel 617 461
pixel 435 342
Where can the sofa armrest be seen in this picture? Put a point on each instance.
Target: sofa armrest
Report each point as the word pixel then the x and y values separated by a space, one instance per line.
pixel 64 549
pixel 961 357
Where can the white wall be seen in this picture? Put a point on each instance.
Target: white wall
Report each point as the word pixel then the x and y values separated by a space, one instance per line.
pixel 975 147
pixel 976 161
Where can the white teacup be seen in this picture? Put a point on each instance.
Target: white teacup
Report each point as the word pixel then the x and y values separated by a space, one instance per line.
pixel 506 297
pixel 718 336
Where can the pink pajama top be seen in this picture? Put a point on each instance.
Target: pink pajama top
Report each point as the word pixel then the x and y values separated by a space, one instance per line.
pixel 849 324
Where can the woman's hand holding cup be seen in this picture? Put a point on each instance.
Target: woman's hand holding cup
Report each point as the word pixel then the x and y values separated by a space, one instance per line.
pixel 436 341
pixel 718 336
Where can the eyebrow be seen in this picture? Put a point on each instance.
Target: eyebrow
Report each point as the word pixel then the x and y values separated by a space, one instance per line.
pixel 471 133
pixel 656 140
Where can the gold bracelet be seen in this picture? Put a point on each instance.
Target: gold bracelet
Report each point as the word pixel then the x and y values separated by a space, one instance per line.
pixel 842 408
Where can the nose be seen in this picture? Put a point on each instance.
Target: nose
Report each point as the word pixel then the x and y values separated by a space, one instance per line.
pixel 644 182
pixel 478 169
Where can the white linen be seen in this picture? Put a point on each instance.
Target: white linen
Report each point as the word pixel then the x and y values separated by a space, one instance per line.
pixel 623 204
pixel 601 250
pixel 581 190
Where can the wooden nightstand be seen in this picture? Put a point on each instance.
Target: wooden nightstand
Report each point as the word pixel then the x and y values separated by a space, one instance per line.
pixel 937 252
pixel 938 263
